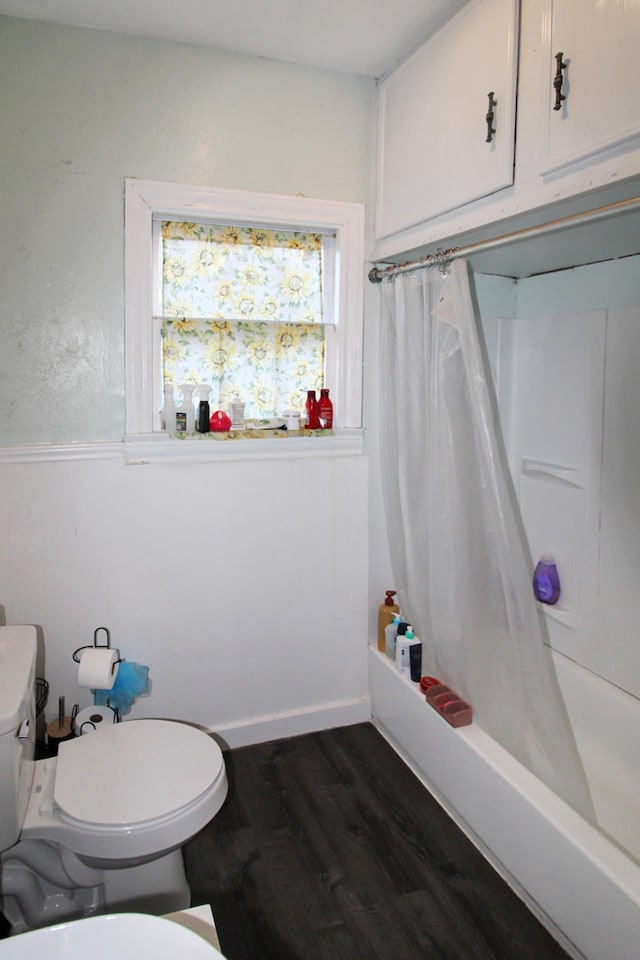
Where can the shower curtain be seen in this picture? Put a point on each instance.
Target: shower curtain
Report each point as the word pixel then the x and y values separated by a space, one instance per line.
pixel 457 550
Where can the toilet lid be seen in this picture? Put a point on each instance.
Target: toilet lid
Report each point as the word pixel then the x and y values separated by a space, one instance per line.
pixel 139 770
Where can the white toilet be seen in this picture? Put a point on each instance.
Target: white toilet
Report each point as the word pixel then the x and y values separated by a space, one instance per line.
pixel 100 827
pixel 111 936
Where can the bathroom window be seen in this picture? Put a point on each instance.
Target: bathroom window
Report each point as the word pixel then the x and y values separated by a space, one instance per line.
pixel 244 309
pixel 160 215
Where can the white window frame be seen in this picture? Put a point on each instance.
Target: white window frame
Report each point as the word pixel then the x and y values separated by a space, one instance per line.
pixel 146 198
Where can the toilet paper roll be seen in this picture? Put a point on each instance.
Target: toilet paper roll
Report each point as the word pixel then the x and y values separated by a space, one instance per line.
pixel 98 668
pixel 91 719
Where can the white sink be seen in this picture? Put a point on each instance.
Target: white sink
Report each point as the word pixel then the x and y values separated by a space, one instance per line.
pixel 114 936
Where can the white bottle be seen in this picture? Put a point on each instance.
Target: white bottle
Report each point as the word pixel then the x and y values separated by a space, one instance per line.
pixel 168 412
pixel 185 416
pixel 390 636
pixel 403 658
pixel 236 411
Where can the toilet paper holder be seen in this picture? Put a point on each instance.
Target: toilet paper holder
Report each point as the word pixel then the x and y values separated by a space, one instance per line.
pixel 90 721
pixel 89 646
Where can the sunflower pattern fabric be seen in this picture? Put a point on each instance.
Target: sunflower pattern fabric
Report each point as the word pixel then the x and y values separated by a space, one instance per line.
pixel 242 311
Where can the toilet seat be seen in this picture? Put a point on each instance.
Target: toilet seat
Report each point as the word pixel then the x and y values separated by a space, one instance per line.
pixel 130 773
pixel 127 792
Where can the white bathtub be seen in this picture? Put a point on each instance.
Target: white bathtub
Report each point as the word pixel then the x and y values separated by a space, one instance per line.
pixel 582 885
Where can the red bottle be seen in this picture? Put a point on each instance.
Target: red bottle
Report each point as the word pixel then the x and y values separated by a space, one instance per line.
pixel 311 406
pixel 325 410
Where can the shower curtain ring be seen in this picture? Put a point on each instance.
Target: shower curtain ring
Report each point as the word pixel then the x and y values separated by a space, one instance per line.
pixel 442 258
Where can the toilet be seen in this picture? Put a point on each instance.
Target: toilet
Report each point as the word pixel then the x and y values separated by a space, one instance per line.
pixel 99 828
pixel 111 936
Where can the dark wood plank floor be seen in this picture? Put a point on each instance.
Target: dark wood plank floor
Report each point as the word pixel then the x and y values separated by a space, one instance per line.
pixel 328 848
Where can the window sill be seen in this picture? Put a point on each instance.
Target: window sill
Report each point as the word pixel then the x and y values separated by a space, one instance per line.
pixel 159 448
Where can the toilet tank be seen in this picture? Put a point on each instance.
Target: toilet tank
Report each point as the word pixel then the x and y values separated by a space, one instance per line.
pixel 18 646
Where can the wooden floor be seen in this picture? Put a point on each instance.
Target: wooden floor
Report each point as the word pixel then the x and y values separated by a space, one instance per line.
pixel 328 848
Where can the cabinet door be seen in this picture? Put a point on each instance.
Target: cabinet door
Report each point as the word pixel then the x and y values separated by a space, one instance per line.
pixel 600 43
pixel 433 154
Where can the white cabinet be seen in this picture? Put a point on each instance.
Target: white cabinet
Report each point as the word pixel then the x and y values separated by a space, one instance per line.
pixel 435 149
pixel 599 42
pixel 439 183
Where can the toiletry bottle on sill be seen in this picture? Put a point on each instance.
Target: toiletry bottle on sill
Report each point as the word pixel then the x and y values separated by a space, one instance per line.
pixel 311 407
pixel 236 412
pixel 185 417
pixel 386 611
pixel 168 412
pixel 325 410
pixel 186 408
pixel 204 413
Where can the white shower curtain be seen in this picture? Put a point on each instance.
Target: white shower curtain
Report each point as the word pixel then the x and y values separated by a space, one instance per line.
pixel 457 550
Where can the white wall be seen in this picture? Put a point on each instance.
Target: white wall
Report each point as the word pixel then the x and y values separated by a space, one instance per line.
pixel 82 110
pixel 243 608
pixel 242 585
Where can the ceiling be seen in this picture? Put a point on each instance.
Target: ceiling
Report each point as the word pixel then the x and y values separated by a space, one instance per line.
pixel 364 37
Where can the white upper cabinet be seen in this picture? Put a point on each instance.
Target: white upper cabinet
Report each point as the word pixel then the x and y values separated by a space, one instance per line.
pixel 440 183
pixel 438 149
pixel 599 72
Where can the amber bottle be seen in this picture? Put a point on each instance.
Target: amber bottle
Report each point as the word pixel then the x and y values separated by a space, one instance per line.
pixel 386 613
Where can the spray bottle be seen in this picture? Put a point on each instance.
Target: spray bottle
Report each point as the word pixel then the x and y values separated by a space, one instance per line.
pixel 168 412
pixel 204 413
pixel 185 419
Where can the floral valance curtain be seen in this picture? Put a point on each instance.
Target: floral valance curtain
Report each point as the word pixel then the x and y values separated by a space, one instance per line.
pixel 242 311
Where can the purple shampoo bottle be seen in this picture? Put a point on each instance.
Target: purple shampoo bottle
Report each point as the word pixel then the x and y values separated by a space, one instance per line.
pixel 546 582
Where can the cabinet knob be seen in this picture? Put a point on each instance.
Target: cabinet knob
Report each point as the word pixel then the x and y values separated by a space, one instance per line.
pixel 489 117
pixel 557 81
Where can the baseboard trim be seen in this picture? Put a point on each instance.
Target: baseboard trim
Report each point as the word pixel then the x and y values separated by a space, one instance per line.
pixel 278 725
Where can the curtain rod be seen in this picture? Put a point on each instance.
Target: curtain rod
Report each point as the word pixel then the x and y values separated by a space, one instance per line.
pixel 442 257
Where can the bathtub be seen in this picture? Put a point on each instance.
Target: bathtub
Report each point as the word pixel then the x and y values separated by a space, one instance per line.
pixel 581 883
